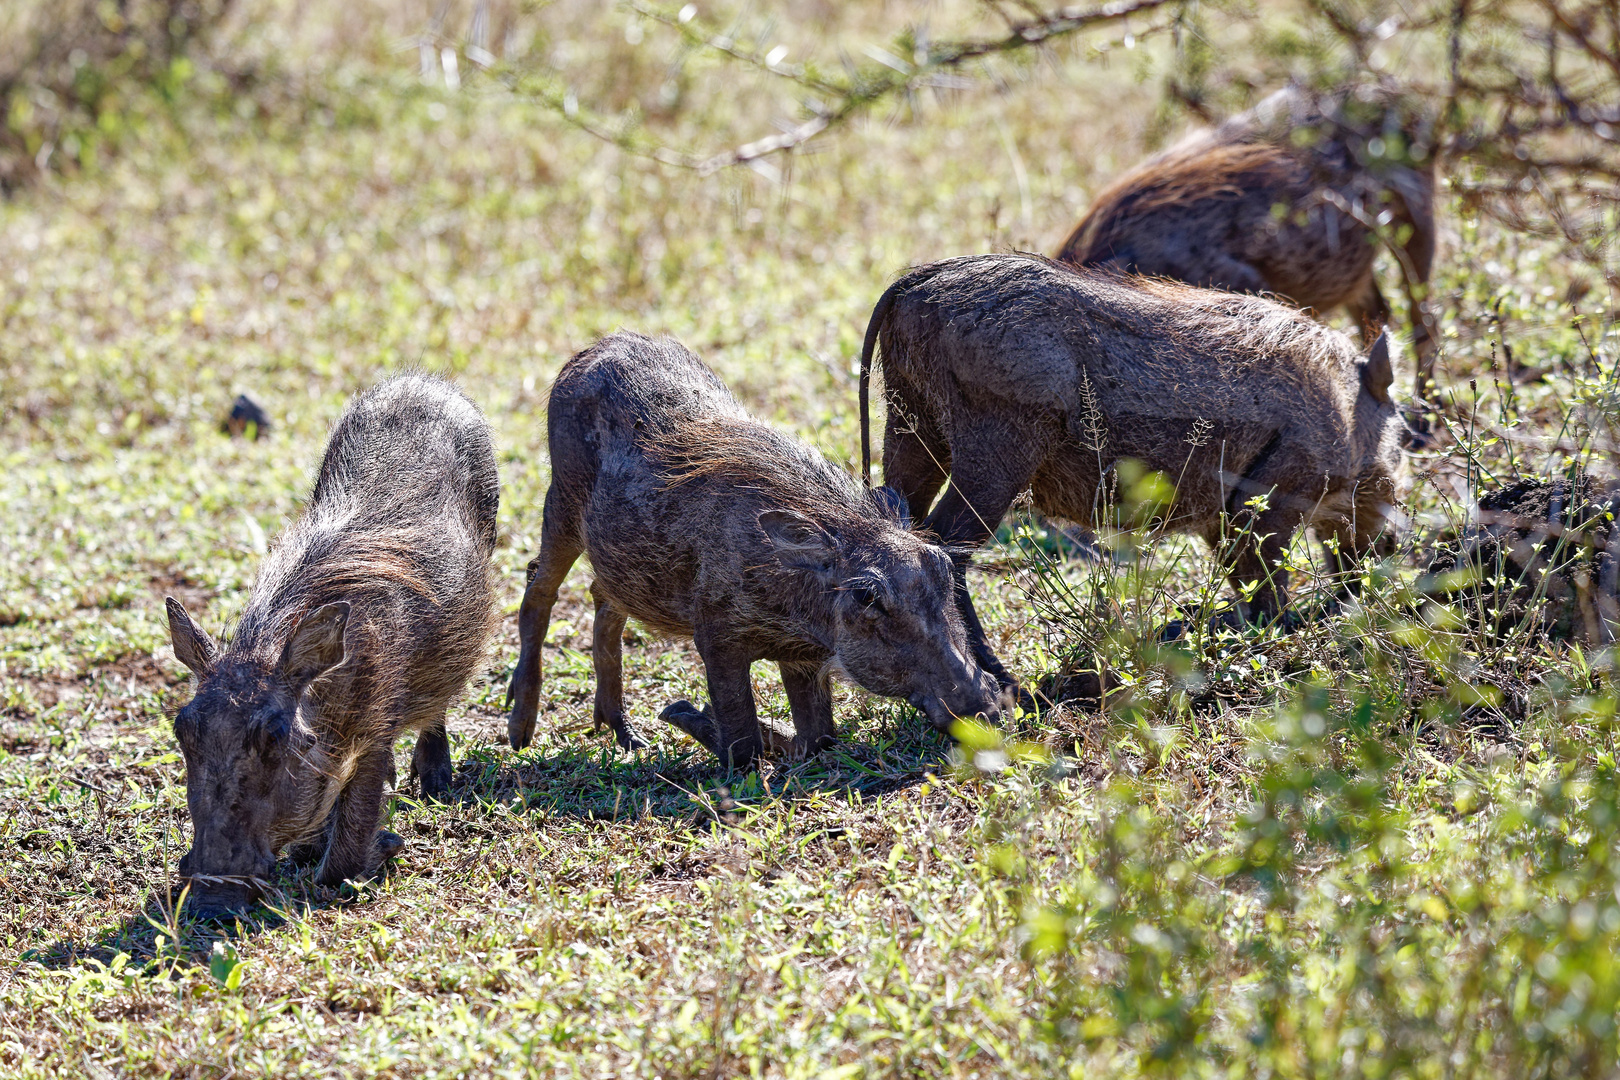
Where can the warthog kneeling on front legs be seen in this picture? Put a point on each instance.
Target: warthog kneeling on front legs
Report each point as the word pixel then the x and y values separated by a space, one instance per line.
pixel 367 618
pixel 1007 373
pixel 702 522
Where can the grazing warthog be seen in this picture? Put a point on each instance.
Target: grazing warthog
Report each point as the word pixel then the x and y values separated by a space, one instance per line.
pixel 1541 556
pixel 367 617
pixel 1012 372
pixel 702 522
pixel 1284 198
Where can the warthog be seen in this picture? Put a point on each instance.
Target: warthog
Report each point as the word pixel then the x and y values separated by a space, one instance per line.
pixel 702 522
pixel 368 616
pixel 1285 198
pixel 1012 372
pixel 1541 556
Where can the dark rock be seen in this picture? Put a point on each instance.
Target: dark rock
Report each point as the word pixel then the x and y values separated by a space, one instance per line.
pixel 247 417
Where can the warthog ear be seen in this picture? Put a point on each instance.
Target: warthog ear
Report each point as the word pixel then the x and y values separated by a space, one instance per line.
pixel 893 504
pixel 316 645
pixel 799 542
pixel 192 645
pixel 1377 374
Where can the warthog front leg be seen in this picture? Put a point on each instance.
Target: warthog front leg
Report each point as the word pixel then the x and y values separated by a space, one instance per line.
pixel 729 725
pixel 696 722
pixel 310 851
pixel 357 846
pixel 431 764
pixel 809 694
pixel 1260 537
pixel 607 654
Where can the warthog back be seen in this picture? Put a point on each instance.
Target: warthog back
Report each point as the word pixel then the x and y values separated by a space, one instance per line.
pixel 1287 198
pixel 367 617
pixel 1011 372
pixel 702 522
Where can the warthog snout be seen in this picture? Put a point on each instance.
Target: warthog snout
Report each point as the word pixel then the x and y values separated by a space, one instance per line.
pixel 980 699
pixel 212 897
pixel 208 895
pixel 899 631
pixel 367 617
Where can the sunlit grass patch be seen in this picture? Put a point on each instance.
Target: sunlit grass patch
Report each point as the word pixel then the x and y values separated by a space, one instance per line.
pixel 1377 842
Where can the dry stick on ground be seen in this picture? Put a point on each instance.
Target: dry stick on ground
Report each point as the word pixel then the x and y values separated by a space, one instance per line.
pixel 834 100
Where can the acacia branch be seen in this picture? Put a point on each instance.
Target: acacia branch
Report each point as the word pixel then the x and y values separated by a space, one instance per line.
pixel 831 101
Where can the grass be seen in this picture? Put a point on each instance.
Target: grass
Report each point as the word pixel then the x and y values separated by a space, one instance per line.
pixel 1229 870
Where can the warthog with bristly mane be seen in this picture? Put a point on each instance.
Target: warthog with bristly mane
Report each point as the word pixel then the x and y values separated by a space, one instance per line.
pixel 368 616
pixel 702 522
pixel 1007 373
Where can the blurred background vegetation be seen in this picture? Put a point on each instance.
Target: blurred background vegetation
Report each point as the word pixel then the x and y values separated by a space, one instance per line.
pixel 1383 845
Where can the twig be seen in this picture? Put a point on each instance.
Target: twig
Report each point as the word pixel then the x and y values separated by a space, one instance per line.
pixel 834 101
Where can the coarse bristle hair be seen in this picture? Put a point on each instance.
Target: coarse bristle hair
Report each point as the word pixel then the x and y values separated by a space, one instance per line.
pixel 748 454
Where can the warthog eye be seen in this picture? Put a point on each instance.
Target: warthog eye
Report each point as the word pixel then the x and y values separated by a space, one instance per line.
pixel 868 599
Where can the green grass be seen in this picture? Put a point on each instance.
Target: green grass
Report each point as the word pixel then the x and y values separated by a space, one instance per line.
pixel 1225 872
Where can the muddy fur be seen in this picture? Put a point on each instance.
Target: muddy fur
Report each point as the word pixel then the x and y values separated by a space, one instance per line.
pixel 702 522
pixel 367 617
pixel 1541 554
pixel 1281 199
pixel 1009 373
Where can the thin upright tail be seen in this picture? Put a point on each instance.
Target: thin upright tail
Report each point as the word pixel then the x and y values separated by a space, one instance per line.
pixel 874 327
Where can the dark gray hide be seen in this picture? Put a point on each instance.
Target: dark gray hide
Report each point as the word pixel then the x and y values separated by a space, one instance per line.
pixel 1009 373
pixel 368 616
pixel 1342 167
pixel 702 522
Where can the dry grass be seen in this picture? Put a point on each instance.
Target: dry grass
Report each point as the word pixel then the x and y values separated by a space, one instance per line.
pixel 882 909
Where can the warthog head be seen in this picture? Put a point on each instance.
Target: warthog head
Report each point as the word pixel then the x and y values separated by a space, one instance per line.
pixel 1372 506
pixel 896 630
pixel 257 778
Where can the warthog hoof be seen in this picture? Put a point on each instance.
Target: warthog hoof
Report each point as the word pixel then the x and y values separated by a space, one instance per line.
pixel 520 723
pixel 698 723
pixel 431 765
pixel 627 739
pixel 306 853
pixel 803 748
pixel 623 734
pixel 436 785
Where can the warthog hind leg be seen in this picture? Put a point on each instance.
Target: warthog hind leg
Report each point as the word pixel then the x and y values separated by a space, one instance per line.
pixel 430 763
pixel 607 654
pixel 559 548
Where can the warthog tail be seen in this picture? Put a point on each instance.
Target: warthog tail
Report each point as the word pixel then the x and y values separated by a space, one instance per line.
pixel 874 327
